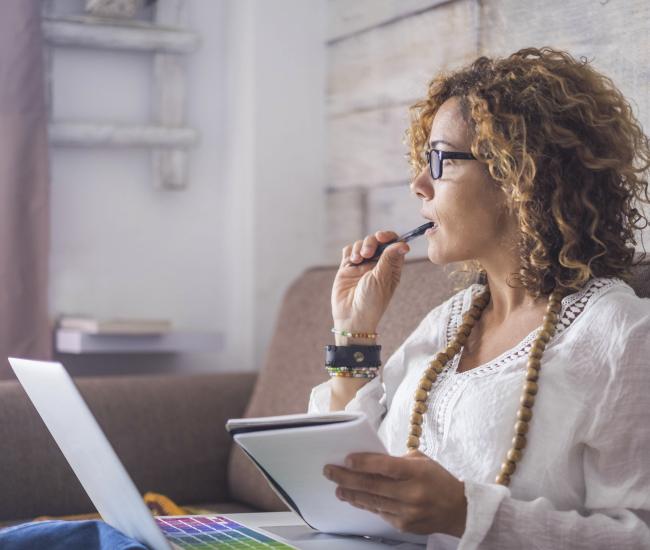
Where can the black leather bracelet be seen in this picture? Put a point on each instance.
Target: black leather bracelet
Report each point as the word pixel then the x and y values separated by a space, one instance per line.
pixel 353 356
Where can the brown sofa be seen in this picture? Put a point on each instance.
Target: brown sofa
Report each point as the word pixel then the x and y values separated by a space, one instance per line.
pixel 169 430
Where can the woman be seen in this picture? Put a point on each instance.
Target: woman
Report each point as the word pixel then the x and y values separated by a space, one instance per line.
pixel 522 402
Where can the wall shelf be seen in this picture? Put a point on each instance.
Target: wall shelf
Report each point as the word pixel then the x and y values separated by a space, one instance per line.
pixel 167 136
pixel 94 32
pixel 77 342
pixel 88 134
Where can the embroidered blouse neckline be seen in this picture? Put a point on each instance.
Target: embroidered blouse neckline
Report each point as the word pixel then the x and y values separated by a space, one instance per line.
pixel 572 306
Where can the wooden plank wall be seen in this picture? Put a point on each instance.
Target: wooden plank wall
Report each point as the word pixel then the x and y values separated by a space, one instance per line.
pixel 382 53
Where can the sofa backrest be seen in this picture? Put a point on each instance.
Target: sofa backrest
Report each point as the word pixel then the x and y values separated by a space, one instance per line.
pixel 167 431
pixel 294 362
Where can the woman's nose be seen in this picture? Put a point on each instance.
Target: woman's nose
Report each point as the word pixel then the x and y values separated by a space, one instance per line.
pixel 421 186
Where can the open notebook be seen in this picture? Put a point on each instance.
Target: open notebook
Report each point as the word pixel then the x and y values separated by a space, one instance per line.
pixel 291 451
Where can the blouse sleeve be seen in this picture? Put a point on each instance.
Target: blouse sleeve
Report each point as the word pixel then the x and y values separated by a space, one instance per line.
pixel 616 447
pixel 370 399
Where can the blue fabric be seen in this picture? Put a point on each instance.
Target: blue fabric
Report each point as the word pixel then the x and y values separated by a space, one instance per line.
pixel 66 535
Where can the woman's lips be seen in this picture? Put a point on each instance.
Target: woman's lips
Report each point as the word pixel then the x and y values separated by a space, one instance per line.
pixel 431 230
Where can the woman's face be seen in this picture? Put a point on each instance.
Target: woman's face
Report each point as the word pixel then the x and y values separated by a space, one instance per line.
pixel 466 204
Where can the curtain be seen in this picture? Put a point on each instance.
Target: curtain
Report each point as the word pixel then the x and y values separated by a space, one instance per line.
pixel 24 186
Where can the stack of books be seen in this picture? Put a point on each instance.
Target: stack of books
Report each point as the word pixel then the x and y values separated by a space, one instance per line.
pixel 90 325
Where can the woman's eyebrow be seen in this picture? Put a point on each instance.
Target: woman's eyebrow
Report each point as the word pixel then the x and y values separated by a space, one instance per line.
pixel 435 143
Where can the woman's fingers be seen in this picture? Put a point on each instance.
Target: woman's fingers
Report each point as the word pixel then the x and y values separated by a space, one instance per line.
pixel 370 501
pixel 345 254
pixel 366 483
pixel 386 236
pixel 365 248
pixel 394 467
pixel 369 246
pixel 355 256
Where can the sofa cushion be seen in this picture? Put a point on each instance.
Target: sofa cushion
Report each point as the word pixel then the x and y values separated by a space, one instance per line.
pixel 295 362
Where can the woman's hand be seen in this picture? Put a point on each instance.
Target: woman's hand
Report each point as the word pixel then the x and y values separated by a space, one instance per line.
pixel 413 493
pixel 361 293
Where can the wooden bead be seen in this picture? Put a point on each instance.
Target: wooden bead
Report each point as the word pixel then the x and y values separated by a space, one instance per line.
pixel 530 387
pixel 503 479
pixel 452 349
pixel 425 384
pixel 524 414
pixel 514 455
pixel 480 303
pixel 431 374
pixel 464 329
pixel 534 363
pixel 412 448
pixel 550 315
pixel 521 428
pixel 416 418
pixel 532 375
pixel 538 345
pixel 442 358
pixel 413 442
pixel 420 407
pixel 544 336
pixel 421 395
pixel 535 353
pixel 548 326
pixel 508 467
pixel 436 365
pixel 469 320
pixel 518 442
pixel 527 400
pixel 554 307
pixel 475 312
pixel 415 430
pixel 461 338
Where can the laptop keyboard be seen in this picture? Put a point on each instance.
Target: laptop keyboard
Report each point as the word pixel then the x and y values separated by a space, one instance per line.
pixel 207 532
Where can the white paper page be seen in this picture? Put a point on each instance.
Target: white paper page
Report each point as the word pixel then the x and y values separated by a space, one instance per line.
pixel 295 458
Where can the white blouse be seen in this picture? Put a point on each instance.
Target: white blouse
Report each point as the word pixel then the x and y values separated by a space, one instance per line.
pixel 584 480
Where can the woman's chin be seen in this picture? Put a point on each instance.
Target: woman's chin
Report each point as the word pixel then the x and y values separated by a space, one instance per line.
pixel 435 254
pixel 440 257
pixel 436 258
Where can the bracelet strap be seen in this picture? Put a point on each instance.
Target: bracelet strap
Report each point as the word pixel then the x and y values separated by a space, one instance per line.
pixel 356 356
pixel 348 334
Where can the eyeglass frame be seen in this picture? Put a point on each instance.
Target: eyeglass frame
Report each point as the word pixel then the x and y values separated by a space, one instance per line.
pixel 441 156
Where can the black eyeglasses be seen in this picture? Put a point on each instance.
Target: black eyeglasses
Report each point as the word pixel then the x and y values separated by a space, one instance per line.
pixel 435 161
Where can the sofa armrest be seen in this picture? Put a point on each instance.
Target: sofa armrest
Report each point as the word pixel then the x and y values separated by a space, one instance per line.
pixel 167 430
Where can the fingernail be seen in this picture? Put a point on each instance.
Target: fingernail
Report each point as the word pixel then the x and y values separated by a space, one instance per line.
pixel 327 472
pixel 403 251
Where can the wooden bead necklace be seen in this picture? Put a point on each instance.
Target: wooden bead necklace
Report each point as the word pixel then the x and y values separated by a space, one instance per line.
pixel 525 412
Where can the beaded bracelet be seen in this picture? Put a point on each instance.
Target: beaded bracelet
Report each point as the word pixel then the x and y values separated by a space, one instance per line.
pixel 350 372
pixel 351 369
pixel 348 334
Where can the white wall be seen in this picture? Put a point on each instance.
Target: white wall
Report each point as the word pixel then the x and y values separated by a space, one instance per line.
pixel 218 255
pixel 277 151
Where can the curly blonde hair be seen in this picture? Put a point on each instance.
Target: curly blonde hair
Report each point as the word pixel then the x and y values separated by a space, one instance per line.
pixel 565 147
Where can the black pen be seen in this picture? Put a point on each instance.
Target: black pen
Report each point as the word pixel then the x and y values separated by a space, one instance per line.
pixel 402 238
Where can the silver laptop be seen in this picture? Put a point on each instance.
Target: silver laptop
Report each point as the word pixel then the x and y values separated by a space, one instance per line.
pixel 117 500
